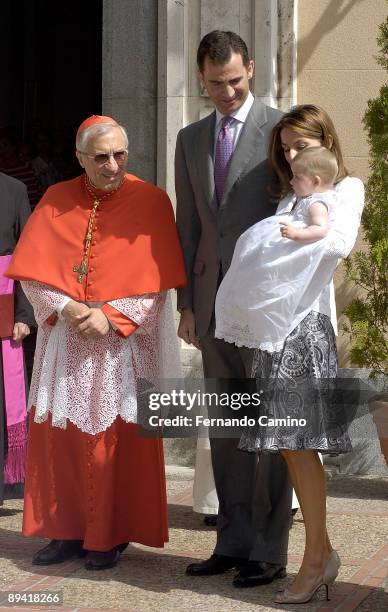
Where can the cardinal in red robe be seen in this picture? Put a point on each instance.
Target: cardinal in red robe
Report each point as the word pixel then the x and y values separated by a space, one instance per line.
pixel 96 260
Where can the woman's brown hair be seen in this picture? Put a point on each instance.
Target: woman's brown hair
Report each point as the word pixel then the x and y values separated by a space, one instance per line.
pixel 311 122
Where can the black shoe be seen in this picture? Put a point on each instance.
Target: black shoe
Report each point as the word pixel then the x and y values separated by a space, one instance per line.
pixel 217 564
pixel 58 551
pixel 255 573
pixel 96 560
pixel 210 520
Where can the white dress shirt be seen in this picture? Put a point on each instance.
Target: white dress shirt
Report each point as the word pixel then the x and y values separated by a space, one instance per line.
pixel 240 117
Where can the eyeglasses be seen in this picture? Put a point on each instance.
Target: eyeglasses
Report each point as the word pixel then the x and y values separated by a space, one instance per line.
pixel 101 159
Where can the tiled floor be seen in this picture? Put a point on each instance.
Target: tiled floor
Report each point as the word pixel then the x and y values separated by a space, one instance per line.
pixel 152 579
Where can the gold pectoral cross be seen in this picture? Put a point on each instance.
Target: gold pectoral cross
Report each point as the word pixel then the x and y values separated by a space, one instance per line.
pixel 82 271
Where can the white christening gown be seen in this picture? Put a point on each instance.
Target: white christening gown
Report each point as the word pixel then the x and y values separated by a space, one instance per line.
pixel 273 281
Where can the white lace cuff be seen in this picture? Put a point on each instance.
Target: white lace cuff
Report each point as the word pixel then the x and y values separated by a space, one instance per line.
pixel 45 300
pixel 60 308
pixel 141 309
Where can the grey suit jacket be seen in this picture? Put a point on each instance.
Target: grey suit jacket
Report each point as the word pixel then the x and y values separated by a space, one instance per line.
pixel 208 231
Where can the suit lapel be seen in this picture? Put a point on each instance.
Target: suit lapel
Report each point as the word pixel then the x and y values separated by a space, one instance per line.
pixel 250 143
pixel 205 161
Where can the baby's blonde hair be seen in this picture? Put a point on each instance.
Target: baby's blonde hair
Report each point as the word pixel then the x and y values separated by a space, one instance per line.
pixel 317 161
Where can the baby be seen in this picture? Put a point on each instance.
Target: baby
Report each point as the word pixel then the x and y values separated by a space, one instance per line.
pixel 314 171
pixel 275 276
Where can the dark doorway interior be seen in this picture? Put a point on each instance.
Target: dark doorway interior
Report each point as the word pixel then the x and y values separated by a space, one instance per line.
pixel 50 80
pixel 51 67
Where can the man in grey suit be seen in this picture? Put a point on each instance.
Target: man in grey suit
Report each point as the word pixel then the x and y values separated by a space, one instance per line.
pixel 223 186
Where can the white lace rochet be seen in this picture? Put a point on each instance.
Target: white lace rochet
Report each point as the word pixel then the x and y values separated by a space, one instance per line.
pixel 91 382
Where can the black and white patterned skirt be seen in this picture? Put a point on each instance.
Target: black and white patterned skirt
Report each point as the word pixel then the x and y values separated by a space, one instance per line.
pixel 300 406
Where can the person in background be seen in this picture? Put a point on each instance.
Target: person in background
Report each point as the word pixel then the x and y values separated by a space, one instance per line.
pixel 16 320
pixel 42 162
pixel 13 165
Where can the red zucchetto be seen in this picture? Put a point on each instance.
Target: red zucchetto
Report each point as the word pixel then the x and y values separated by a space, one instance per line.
pixel 94 120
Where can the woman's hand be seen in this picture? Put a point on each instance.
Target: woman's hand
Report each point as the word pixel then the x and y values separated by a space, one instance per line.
pixel 93 324
pixel 20 331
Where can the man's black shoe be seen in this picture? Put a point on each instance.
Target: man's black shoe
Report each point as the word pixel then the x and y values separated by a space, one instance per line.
pixel 217 564
pixel 58 551
pixel 255 573
pixel 97 560
pixel 210 520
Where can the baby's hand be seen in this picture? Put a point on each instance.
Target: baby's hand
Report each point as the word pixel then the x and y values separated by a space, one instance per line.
pixel 287 230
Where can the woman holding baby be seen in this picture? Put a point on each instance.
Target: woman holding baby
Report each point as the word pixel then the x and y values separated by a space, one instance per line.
pixel 278 298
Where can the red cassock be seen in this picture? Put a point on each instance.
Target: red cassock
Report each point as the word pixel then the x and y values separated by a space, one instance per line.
pixel 105 488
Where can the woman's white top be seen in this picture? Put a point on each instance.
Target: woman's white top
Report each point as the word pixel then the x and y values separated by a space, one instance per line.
pixel 274 282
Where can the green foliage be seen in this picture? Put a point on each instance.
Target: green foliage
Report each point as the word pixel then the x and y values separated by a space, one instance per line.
pixel 382 41
pixel 367 314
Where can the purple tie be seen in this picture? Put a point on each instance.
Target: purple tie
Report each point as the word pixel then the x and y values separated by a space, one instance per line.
pixel 224 152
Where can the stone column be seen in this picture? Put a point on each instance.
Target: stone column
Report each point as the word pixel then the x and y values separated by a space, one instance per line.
pixel 129 77
pixel 286 54
pixel 172 86
pixel 264 50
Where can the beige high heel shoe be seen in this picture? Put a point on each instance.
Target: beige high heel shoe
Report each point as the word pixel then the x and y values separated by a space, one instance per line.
pixel 329 574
